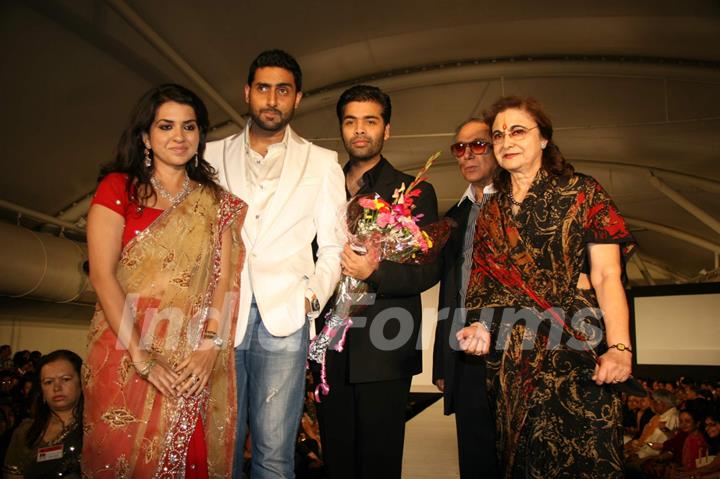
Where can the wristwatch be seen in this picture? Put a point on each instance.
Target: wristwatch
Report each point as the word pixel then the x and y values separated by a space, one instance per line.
pixel 620 347
pixel 217 340
pixel 315 304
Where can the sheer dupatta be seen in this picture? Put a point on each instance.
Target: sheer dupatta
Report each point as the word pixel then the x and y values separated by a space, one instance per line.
pixel 169 272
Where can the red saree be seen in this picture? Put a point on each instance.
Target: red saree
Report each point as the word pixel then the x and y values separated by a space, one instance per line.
pixel 169 272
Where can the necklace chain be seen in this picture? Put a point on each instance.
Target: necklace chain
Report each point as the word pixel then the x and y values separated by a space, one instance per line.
pixel 513 200
pixel 173 199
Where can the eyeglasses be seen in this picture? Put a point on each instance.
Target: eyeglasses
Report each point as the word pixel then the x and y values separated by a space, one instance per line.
pixel 478 147
pixel 518 133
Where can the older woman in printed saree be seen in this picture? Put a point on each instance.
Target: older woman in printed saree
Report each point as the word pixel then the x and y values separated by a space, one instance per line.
pixel 546 304
pixel 165 256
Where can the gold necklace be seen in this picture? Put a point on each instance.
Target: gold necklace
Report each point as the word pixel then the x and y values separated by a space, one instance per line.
pixel 64 431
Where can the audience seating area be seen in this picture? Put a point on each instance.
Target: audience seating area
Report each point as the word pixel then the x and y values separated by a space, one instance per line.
pixel 671 433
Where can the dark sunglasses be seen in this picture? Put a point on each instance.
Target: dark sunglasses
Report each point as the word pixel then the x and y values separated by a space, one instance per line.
pixel 478 147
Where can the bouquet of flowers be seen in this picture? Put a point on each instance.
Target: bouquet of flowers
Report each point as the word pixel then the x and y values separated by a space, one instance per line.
pixel 387 231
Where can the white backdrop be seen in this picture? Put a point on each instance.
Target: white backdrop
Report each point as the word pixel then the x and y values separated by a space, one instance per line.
pixel 678 329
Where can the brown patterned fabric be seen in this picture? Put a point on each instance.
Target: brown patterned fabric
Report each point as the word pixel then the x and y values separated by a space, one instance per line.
pixel 552 420
pixel 169 273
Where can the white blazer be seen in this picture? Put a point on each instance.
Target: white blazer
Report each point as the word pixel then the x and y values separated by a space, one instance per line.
pixel 309 201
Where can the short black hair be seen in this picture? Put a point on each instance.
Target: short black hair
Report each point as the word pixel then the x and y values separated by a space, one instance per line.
pixel 365 93
pixel 276 58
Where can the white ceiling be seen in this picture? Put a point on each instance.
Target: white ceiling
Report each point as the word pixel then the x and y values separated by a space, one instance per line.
pixel 631 87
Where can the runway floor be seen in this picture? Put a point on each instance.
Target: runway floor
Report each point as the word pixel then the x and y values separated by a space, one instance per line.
pixel 430 445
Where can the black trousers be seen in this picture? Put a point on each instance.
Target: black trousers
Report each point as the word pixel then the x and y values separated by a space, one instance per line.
pixel 474 420
pixel 362 426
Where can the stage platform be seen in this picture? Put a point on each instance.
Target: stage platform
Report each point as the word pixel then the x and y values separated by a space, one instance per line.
pixel 430 443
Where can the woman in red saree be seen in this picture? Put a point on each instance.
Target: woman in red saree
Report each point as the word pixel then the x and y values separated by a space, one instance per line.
pixel 165 256
pixel 547 305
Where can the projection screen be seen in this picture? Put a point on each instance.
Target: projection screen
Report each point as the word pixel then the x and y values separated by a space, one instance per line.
pixel 677 329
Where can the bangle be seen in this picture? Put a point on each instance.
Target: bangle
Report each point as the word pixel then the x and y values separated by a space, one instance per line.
pixel 620 347
pixel 213 336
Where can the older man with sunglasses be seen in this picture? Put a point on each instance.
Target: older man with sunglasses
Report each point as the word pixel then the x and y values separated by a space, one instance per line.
pixel 461 377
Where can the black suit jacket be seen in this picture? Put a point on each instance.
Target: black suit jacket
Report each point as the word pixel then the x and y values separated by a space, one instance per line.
pixel 387 346
pixel 445 353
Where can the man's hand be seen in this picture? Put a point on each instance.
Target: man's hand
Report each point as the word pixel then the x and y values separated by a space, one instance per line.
pixel 357 266
pixel 440 383
pixel 474 339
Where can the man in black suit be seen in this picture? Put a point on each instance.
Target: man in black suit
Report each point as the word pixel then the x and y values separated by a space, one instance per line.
pixel 461 377
pixel 362 420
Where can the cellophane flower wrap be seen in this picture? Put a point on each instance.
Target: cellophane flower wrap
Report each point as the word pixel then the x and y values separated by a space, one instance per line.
pixel 387 232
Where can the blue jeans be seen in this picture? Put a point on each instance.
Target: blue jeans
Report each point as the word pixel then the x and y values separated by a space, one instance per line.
pixel 270 390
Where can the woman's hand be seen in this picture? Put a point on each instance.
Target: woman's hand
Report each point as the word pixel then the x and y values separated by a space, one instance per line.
pixel 162 377
pixel 613 367
pixel 474 339
pixel 193 374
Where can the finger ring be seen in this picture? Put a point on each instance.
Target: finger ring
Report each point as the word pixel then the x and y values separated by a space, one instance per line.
pixel 194 378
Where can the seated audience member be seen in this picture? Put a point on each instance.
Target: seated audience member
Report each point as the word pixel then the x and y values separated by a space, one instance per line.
pixel 706 395
pixel 630 415
pixel 6 429
pixel 6 362
pixel 308 448
pixel 708 467
pixel 8 381
pixel 9 414
pixel 706 390
pixel 308 452
pixel 681 449
pixel 690 394
pixel 22 363
pixel 50 444
pixel 22 396
pixel 695 445
pixel 643 414
pixel 670 456
pixel 712 432
pixel 35 357
pixel 653 434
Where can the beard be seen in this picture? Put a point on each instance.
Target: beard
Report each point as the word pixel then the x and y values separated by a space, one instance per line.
pixel 280 122
pixel 371 150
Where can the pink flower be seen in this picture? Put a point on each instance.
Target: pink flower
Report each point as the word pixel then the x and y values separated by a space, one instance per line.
pixel 384 219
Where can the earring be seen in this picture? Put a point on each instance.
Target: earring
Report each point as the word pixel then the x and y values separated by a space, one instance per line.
pixel 196 160
pixel 148 160
pixel 543 145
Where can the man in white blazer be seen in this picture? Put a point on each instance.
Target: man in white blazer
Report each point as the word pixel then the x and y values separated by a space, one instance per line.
pixel 295 193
